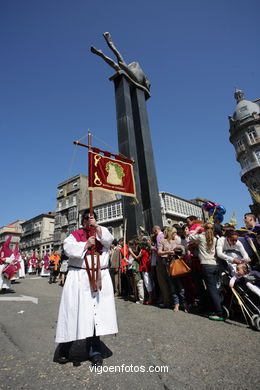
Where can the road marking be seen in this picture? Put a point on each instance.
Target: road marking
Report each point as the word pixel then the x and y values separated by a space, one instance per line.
pixel 22 298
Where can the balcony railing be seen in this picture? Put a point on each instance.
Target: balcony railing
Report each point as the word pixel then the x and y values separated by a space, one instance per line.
pixel 249 167
pixel 66 206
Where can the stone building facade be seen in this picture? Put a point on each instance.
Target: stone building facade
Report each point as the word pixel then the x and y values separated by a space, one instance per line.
pixel 14 228
pixel 245 137
pixel 38 234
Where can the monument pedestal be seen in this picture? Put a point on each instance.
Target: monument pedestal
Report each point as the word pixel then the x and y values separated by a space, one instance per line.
pixel 134 141
pixel 126 142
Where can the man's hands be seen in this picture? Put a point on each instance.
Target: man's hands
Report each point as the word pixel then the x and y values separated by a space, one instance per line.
pixel 90 242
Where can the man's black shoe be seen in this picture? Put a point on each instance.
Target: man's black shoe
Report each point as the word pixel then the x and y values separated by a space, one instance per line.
pixel 76 364
pixel 62 360
pixel 97 360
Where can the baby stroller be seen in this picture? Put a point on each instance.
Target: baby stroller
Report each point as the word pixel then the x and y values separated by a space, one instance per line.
pixel 239 298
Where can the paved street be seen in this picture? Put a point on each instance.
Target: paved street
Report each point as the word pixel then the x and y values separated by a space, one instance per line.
pixel 199 354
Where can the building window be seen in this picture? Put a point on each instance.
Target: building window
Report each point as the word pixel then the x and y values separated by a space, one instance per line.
pixel 57 235
pixel 57 219
pixel 64 220
pixel 239 143
pixel 75 184
pixel 252 135
pixel 180 207
pixel 257 154
pixel 119 209
pixel 72 215
pixel 244 162
pixel 61 191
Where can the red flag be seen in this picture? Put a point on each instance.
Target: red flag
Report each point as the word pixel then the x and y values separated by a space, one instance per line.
pixel 110 175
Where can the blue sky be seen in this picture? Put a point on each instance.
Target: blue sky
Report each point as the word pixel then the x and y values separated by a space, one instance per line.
pixel 53 89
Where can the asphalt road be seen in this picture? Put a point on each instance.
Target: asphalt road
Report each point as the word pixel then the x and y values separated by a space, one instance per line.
pixel 183 351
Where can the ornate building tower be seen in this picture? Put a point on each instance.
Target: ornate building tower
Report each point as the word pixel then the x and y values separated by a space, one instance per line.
pixel 245 136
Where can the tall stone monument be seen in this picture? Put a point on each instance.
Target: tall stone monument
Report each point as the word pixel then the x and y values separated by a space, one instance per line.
pixel 132 89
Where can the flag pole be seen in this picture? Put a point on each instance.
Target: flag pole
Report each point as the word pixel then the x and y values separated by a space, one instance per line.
pixel 92 282
pixel 90 191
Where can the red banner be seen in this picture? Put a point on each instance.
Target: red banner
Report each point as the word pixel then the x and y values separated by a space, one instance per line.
pixel 110 175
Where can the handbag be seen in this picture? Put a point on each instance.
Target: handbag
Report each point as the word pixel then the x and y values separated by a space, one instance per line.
pixel 178 267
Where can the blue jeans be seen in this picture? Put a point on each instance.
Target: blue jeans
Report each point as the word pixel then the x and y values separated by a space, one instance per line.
pixel 177 290
pixel 210 276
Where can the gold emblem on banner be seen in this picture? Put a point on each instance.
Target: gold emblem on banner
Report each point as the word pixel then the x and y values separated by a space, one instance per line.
pixel 97 180
pixel 115 173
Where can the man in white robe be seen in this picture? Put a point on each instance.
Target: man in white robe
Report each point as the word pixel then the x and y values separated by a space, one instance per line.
pixel 85 313
pixel 21 269
pixel 6 257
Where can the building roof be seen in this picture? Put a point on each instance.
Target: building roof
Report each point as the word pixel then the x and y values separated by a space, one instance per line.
pixel 9 231
pixel 40 216
pixel 67 181
pixel 244 108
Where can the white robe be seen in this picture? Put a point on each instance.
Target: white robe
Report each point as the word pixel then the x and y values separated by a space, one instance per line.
pixel 81 311
pixel 21 270
pixel 1 276
pixel 44 272
pixel 5 283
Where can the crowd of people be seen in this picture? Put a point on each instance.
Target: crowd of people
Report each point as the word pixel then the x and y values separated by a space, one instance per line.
pixel 177 267
pixel 141 270
pixel 15 265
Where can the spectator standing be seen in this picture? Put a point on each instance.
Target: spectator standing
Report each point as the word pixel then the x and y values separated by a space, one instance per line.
pixel 115 266
pixel 194 262
pixel 166 250
pixel 207 255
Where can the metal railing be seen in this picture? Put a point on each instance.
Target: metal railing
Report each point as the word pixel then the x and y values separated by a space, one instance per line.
pixel 249 167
